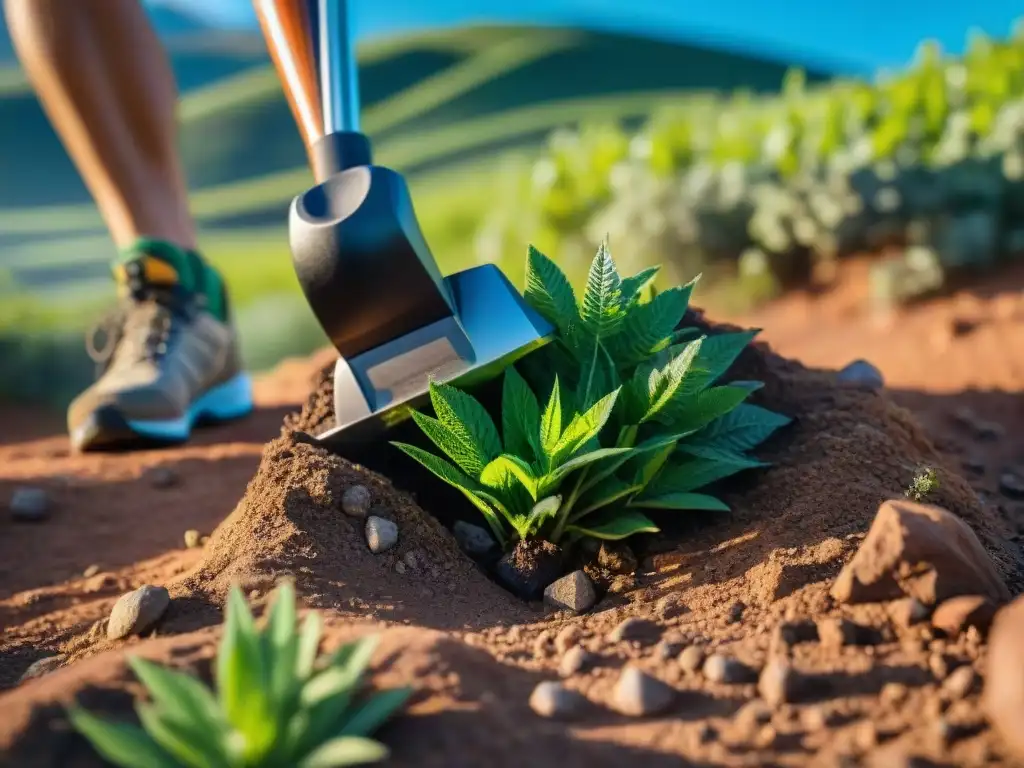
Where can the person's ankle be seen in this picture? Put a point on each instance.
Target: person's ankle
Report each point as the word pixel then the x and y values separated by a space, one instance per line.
pixel 167 263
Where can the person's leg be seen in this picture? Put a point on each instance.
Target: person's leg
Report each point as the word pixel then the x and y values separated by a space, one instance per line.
pixel 105 82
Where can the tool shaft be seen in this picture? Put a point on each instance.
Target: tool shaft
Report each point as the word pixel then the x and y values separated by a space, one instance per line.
pixel 339 81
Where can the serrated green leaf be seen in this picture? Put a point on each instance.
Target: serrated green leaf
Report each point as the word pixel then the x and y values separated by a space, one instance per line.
pixel 551 422
pixel 601 311
pixel 717 354
pixel 607 467
pixel 469 487
pixel 520 417
pixel 375 711
pixel 648 327
pixel 192 746
pixel 598 375
pixel 505 468
pixel 632 286
pixel 123 744
pixel 688 413
pixel 691 474
pixel 344 751
pixel 614 526
pixel 716 453
pixel 548 291
pixel 583 428
pixel 457 446
pixel 464 416
pixel 663 385
pixel 653 464
pixel 695 501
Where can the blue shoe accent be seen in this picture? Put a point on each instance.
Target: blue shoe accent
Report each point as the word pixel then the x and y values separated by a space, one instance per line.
pixel 230 400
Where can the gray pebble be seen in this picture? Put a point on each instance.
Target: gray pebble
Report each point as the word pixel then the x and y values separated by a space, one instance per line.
pixel 735 612
pixel 554 700
pixel 355 501
pixel 137 611
pixel 691 659
pixel 862 373
pixel 635 628
pixel 575 660
pixel 1011 485
pixel 381 534
pixel 91 571
pixel 30 505
pixel 574 592
pixel 472 539
pixel 163 477
pixel 960 682
pixel 192 538
pixel 780 684
pixel 42 667
pixel 671 606
pixel 725 669
pixel 638 694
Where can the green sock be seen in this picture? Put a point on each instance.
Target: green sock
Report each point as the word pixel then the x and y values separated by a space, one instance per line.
pixel 187 269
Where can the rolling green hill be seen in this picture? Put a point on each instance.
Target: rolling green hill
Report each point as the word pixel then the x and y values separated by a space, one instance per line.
pixel 448 108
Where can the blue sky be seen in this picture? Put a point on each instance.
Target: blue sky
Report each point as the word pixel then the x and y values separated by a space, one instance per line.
pixel 858 34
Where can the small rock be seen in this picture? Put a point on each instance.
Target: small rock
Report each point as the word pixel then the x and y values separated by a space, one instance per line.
pixel 936 553
pixel 617 557
pixel 1011 485
pixel 574 592
pixel 894 693
pixel 568 637
pixel 780 684
pixel 355 501
pixel 671 606
pixel 735 612
pixel 412 559
pixel 974 464
pixel 837 632
pixel 554 700
pixel 725 669
pixel 137 611
pixel 1003 695
pixel 753 714
pixel 163 477
pixel 938 665
pixel 908 612
pixel 381 534
pixel 30 505
pixel 960 682
pixel 635 629
pixel 989 431
pixel 472 539
pixel 191 538
pixel 816 719
pixel 203 540
pixel 638 694
pixel 400 568
pixel 91 571
pixel 42 667
pixel 862 373
pixel 956 615
pixel 691 659
pixel 577 659
pixel 668 648
pixel 529 568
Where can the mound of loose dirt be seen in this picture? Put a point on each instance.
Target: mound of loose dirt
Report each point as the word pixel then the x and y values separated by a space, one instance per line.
pixel 723 582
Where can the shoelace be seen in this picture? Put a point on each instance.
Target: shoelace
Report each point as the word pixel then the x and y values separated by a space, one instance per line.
pixel 141 328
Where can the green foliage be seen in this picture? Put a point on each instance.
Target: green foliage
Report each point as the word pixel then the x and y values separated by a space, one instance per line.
pixel 276 703
pixel 632 417
pixel 758 190
pixel 925 482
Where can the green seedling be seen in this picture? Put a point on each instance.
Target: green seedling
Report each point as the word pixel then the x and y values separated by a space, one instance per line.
pixel 276 704
pixel 925 482
pixel 633 420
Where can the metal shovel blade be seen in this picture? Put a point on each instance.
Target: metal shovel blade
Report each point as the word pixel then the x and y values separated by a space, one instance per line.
pixel 491 328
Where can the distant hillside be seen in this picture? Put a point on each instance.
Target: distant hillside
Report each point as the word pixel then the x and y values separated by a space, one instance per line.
pixel 237 126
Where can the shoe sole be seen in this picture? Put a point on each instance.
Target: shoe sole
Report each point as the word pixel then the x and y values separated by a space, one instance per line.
pixel 107 429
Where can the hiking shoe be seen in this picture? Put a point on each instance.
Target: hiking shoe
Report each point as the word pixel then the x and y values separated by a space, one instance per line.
pixel 167 363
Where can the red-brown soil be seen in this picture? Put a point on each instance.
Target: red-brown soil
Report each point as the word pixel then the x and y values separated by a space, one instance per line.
pixel 723 581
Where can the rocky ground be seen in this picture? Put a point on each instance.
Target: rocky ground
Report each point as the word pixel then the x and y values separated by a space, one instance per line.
pixel 827 620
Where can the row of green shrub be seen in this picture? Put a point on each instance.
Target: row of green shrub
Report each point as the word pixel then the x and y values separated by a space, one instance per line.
pixel 926 164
